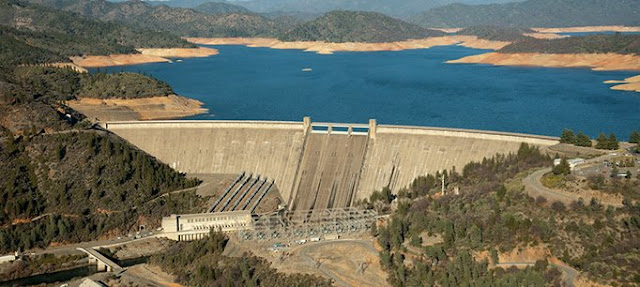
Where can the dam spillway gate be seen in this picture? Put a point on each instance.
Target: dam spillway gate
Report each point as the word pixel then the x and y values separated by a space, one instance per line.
pixel 313 165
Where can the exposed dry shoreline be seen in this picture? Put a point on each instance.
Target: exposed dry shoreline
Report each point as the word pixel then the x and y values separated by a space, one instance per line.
pixel 329 48
pixel 155 108
pixel 145 56
pixel 588 29
pixel 597 62
pixel 628 84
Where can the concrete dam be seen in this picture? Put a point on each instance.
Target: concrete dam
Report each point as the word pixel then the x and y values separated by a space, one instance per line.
pixel 317 165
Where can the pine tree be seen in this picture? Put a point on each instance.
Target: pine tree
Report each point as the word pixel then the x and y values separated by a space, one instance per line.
pixel 582 140
pixel 602 142
pixel 635 137
pixel 567 137
pixel 562 168
pixel 613 142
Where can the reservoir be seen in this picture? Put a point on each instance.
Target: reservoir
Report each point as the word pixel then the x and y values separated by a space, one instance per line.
pixel 413 87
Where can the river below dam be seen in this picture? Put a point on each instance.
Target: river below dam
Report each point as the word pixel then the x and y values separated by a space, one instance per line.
pixel 413 87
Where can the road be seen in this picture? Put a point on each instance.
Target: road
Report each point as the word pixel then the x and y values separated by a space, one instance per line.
pixel 533 184
pixel 71 248
pixel 535 188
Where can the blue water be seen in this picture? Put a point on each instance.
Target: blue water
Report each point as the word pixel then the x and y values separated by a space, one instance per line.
pixel 411 87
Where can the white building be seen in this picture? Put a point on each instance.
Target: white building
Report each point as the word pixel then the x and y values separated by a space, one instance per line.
pixel 185 227
pixel 572 162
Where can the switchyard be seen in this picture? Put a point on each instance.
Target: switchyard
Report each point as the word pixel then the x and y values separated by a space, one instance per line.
pixel 320 223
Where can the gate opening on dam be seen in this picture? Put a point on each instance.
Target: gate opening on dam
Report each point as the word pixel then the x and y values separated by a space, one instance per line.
pixel 314 166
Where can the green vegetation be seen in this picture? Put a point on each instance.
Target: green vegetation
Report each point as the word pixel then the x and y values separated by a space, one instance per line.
pixel 493 212
pixel 610 143
pixel 578 140
pixel 60 84
pixel 55 35
pixel 563 168
pixel 350 26
pixel 495 33
pixel 618 43
pixel 85 184
pixel 634 137
pixel 172 21
pixel 534 13
pixel 220 8
pixel 201 263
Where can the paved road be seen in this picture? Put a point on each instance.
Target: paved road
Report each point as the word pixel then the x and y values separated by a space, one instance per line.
pixel 72 248
pixel 534 186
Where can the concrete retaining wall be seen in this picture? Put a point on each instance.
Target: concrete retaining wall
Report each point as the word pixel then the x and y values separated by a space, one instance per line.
pixel 394 155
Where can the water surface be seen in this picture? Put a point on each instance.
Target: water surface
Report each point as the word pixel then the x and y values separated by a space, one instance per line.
pixel 412 87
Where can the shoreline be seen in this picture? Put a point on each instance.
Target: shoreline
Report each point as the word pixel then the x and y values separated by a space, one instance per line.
pixel 578 29
pixel 327 48
pixel 628 84
pixel 147 55
pixel 597 62
pixel 153 108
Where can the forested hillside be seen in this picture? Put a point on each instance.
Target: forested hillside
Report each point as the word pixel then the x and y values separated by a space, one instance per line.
pixel 66 34
pixel 85 184
pixel 457 236
pixel 496 33
pixel 619 44
pixel 534 13
pixel 65 182
pixel 201 263
pixel 62 180
pixel 349 26
pixel 175 21
pixel 220 8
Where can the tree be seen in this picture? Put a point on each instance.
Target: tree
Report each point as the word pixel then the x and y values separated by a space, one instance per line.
pixel 563 168
pixel 613 142
pixel 602 142
pixel 635 137
pixel 582 140
pixel 567 137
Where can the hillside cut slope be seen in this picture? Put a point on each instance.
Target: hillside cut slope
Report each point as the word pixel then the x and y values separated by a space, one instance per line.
pixel 351 26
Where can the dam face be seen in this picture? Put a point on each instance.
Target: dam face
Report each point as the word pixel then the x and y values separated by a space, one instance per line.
pixel 317 165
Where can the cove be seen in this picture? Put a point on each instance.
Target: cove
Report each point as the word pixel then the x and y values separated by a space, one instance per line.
pixel 413 87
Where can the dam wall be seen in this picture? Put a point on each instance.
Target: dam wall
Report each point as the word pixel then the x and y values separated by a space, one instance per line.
pixel 269 149
pixel 399 154
pixel 327 168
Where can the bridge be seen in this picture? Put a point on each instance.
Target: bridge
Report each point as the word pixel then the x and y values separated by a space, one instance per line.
pixel 104 263
pixel 314 165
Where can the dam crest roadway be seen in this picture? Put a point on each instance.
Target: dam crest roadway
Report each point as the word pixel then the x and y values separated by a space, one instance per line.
pixel 317 165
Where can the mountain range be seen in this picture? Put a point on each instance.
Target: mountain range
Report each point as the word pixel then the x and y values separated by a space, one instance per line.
pixel 535 13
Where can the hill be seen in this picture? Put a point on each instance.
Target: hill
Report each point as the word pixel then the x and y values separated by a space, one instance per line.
pixel 34 34
pixel 619 44
pixel 220 8
pixel 400 8
pixel 534 13
pixel 175 21
pixel 457 239
pixel 351 26
pixel 495 33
